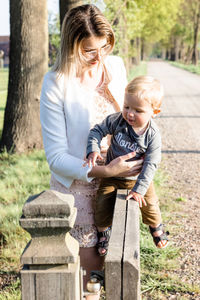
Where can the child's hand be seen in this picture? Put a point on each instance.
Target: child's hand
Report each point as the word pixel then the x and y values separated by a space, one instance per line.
pixel 92 158
pixel 137 197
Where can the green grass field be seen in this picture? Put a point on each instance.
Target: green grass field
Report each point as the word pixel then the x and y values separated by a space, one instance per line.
pixel 27 174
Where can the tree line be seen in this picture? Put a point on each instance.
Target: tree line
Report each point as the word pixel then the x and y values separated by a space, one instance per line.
pixel 163 28
pixel 169 29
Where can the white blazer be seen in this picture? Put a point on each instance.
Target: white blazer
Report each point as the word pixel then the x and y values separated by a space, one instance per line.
pixel 65 113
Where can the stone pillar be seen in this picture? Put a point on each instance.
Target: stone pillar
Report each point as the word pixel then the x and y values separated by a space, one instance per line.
pixel 51 264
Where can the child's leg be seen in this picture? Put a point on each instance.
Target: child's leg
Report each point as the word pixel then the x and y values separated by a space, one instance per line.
pixel 103 213
pixel 105 200
pixel 104 209
pixel 105 203
pixel 151 216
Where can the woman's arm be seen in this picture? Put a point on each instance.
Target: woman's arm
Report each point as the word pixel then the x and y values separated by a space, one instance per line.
pixel 118 167
pixel 54 132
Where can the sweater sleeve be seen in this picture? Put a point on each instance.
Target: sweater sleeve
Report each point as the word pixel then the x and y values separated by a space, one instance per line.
pixel 107 126
pixel 151 162
pixel 54 133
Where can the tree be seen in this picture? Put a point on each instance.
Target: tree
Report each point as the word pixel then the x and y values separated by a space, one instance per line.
pixel 54 37
pixel 66 5
pixel 196 27
pixel 138 23
pixel 28 63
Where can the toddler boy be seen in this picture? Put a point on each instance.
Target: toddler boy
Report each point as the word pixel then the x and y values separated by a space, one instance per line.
pixel 132 130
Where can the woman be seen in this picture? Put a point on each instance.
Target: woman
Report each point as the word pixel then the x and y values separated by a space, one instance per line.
pixel 84 87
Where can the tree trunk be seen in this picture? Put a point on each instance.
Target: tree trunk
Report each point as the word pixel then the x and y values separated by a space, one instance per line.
pixel 138 50
pixel 126 42
pixel 66 5
pixel 196 34
pixel 142 49
pixel 182 52
pixel 164 53
pixel 28 63
pixel 176 48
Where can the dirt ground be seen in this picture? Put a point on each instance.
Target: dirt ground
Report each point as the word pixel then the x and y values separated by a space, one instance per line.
pixel 179 123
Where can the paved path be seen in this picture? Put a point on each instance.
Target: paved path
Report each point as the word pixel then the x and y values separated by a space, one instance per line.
pixel 180 128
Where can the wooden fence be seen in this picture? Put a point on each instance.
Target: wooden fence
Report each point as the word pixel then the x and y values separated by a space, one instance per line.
pixel 51 263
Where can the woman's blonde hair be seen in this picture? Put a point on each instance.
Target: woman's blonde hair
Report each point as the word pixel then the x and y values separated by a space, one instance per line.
pixel 146 88
pixel 80 23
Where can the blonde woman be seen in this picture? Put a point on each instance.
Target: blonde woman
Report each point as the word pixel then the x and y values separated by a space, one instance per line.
pixel 85 85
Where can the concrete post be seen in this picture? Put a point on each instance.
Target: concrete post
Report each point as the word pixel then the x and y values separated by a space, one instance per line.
pixel 122 263
pixel 51 262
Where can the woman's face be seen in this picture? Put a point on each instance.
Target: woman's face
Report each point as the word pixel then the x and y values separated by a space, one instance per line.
pixel 95 49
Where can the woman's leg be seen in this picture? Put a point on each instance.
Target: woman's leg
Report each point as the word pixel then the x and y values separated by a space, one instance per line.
pixel 90 261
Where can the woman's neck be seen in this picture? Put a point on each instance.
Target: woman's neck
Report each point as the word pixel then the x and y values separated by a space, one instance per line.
pixel 91 77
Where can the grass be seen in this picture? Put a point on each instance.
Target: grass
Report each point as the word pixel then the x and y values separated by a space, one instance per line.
pixel 12 292
pixel 20 176
pixel 191 68
pixel 138 70
pixel 27 174
pixel 157 278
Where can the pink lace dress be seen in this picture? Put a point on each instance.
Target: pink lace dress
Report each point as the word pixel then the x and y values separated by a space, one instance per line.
pixel 84 193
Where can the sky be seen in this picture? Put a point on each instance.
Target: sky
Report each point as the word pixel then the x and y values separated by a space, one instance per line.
pixel 4 14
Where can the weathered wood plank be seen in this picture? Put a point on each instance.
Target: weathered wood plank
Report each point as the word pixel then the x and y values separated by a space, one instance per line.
pixel 113 262
pixel 131 256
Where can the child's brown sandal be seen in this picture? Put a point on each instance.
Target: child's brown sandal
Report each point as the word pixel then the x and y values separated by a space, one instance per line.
pixel 162 237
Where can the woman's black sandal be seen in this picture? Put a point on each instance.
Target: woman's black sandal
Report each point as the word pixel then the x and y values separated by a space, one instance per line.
pixel 103 244
pixel 162 237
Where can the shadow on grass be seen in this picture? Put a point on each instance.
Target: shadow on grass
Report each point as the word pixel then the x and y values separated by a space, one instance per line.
pixel 7 278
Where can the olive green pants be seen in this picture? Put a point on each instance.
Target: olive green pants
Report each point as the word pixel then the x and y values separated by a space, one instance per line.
pixel 105 202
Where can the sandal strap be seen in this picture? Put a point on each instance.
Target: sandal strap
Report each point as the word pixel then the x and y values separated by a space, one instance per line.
pixel 105 233
pixel 159 228
pixel 154 229
pixel 103 244
pixel 162 237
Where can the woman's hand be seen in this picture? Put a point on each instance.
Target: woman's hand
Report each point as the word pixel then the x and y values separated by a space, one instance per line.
pixel 118 167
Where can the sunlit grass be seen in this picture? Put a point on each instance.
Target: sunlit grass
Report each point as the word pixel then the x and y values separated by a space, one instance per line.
pixel 21 176
pixel 191 68
pixel 138 70
pixel 12 292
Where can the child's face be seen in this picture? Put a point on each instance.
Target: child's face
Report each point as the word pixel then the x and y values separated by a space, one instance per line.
pixel 136 112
